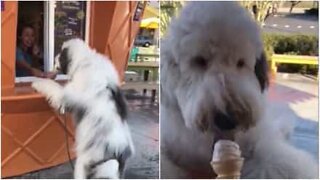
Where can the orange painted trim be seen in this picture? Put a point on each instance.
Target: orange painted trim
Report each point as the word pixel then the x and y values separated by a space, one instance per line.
pixel 22 110
pixel 8 43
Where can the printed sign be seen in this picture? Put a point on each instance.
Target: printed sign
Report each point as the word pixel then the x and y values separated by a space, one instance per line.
pixel 69 22
pixel 139 10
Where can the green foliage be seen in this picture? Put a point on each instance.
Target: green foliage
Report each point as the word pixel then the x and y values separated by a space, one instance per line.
pixel 169 9
pixel 290 44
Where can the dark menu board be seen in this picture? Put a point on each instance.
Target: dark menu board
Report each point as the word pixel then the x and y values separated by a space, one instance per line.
pixel 69 22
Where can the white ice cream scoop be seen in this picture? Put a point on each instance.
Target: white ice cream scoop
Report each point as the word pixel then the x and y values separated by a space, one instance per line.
pixel 226 150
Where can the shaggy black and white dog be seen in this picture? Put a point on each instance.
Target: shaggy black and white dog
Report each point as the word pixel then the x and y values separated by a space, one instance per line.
pixel 92 95
pixel 213 85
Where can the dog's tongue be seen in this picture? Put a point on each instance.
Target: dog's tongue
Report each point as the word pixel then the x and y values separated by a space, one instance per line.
pixel 219 135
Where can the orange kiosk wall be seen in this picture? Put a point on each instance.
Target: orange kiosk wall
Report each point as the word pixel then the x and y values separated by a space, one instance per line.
pixel 32 133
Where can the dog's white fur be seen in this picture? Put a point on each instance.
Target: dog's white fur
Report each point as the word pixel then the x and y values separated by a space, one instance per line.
pixel 222 33
pixel 90 73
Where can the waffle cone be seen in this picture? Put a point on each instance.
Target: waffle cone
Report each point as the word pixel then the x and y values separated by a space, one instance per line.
pixel 229 169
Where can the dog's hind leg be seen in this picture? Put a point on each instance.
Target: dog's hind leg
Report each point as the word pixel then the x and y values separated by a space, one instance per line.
pixel 80 170
pixel 107 170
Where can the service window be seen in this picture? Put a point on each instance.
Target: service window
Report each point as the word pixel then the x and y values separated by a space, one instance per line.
pixel 42 29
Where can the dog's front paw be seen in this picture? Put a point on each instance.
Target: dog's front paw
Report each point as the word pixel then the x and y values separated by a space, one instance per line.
pixel 55 102
pixel 40 85
pixel 50 90
pixel 62 109
pixel 45 86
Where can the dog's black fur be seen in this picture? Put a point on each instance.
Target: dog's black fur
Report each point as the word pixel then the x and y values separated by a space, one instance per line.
pixel 64 61
pixel 120 102
pixel 261 71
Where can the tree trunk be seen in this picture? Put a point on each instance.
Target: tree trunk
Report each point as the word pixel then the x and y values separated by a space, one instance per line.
pixel 291 8
pixel 293 4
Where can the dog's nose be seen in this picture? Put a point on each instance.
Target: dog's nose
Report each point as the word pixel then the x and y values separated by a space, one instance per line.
pixel 224 121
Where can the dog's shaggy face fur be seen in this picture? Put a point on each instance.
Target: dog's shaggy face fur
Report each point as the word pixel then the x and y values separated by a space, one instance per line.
pixel 213 83
pixel 219 65
pixel 93 96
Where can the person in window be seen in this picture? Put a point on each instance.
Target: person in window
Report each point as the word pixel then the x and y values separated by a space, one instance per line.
pixel 27 54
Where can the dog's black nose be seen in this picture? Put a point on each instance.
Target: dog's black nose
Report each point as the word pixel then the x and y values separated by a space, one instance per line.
pixel 224 121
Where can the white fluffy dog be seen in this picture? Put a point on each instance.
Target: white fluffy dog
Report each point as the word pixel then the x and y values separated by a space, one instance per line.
pixel 103 140
pixel 213 86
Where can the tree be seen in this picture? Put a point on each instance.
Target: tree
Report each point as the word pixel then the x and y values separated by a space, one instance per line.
pixel 169 9
pixel 260 10
pixel 293 4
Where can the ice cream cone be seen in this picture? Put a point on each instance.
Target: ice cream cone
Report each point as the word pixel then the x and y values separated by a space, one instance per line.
pixel 229 169
pixel 226 160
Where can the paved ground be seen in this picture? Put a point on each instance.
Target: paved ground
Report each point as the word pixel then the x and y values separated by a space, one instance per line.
pixel 293 101
pixel 144 125
pixel 295 23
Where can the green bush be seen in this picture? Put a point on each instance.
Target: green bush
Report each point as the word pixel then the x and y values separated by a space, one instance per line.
pixel 290 44
pixel 293 45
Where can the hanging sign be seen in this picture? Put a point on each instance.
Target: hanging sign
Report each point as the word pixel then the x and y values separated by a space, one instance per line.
pixel 139 10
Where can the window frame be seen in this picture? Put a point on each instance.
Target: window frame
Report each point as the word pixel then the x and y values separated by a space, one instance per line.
pixel 48 37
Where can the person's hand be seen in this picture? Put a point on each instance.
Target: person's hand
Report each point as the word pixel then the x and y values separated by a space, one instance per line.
pixel 36 50
pixel 51 75
pixel 37 73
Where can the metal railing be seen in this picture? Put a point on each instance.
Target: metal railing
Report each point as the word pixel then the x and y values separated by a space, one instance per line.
pixel 292 59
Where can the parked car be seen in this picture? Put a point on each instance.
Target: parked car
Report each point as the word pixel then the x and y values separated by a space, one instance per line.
pixel 143 41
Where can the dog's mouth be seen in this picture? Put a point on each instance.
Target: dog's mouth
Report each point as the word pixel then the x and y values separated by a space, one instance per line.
pixel 223 135
pixel 225 125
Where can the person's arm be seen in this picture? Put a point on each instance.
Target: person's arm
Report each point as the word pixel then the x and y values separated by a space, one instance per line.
pixel 21 63
pixel 36 57
pixel 33 71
